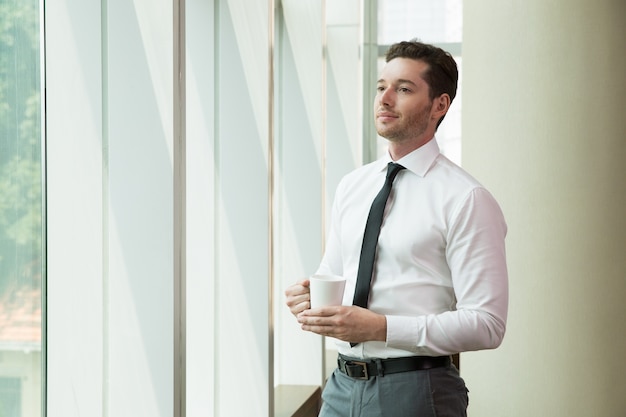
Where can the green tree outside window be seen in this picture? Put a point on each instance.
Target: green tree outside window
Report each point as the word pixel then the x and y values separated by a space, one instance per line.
pixel 21 217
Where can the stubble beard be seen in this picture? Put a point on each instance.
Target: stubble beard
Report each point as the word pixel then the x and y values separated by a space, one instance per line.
pixel 414 127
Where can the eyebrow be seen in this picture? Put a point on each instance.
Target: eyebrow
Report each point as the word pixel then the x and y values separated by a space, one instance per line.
pixel 400 81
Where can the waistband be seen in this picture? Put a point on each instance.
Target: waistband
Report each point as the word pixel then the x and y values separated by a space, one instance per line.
pixel 367 368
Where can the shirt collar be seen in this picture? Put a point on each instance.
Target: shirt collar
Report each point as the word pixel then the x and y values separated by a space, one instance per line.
pixel 419 161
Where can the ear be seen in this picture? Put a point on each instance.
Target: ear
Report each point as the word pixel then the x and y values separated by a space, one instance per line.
pixel 440 106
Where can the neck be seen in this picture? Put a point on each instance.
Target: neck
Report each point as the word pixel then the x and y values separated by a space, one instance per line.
pixel 400 149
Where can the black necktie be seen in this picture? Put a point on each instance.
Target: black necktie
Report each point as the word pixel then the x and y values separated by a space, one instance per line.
pixel 370 238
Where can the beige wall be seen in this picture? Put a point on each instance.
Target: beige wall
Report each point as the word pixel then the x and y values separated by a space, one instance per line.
pixel 544 128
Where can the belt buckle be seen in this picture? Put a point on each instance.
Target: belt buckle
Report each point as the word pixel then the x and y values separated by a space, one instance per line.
pixel 362 365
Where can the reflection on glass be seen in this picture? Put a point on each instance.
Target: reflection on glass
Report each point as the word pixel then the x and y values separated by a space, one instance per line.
pixel 21 250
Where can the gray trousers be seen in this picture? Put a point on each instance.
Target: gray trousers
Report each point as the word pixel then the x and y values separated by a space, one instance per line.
pixel 438 392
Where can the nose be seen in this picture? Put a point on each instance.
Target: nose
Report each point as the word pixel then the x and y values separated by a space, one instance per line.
pixel 385 97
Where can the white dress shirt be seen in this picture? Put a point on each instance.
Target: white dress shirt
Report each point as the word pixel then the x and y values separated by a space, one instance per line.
pixel 440 275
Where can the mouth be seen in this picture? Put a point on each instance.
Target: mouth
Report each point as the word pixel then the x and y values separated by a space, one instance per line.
pixel 385 116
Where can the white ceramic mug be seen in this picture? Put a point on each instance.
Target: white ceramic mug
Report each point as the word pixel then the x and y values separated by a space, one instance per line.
pixel 326 290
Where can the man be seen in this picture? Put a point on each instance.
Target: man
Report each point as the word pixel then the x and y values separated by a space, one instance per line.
pixel 439 284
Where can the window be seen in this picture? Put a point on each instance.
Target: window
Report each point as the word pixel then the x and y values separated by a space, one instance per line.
pixel 21 219
pixel 10 396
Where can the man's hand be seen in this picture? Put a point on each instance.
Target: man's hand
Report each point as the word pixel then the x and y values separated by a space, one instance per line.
pixel 347 323
pixel 297 297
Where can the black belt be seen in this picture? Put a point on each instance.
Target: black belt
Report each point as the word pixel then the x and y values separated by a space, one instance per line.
pixel 366 368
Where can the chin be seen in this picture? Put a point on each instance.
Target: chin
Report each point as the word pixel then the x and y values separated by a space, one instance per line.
pixel 389 136
pixel 385 133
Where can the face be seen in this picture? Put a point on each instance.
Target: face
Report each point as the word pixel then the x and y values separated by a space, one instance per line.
pixel 403 110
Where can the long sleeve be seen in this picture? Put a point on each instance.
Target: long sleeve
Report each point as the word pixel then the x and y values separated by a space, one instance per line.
pixel 475 254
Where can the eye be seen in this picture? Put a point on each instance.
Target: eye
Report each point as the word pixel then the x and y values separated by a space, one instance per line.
pixel 380 88
pixel 404 90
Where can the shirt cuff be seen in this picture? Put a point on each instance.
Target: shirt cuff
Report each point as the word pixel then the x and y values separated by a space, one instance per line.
pixel 401 332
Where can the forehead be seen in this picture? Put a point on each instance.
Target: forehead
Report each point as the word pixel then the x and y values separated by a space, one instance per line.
pixel 404 69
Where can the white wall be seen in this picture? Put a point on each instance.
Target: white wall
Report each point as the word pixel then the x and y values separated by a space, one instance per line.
pixel 109 208
pixel 241 212
pixel 201 218
pixel 544 129
pixel 320 71
pixel 75 214
pixel 299 167
pixel 139 212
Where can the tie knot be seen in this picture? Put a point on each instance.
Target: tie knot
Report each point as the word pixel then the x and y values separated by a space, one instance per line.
pixel 393 169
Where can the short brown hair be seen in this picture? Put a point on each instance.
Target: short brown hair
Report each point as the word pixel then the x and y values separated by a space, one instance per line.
pixel 442 75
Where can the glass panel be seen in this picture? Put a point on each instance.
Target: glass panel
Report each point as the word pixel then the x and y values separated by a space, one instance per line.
pixel 429 21
pixel 21 220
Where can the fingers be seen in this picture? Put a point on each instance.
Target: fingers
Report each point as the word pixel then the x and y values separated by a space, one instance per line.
pixel 299 288
pixel 298 304
pixel 322 312
pixel 347 323
pixel 297 297
pixel 325 321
